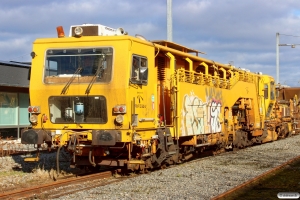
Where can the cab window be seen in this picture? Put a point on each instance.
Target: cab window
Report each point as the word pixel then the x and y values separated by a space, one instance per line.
pixel 83 63
pixel 139 70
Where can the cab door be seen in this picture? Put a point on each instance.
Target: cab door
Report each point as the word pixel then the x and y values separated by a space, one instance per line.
pixel 142 92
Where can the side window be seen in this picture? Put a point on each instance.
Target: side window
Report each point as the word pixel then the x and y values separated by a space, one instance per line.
pixel 139 70
pixel 272 87
pixel 266 91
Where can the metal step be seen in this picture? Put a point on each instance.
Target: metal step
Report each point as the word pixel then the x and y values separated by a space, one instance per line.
pixel 201 145
pixel 170 143
pixel 172 152
pixel 146 154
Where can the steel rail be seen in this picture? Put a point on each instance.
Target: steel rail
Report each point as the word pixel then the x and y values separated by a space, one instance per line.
pixel 247 183
pixel 36 190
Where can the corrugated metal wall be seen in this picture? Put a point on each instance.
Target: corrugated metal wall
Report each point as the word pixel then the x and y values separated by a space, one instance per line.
pixel 14 75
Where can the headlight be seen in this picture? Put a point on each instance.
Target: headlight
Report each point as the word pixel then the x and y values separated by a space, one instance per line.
pixel 78 31
pixel 33 119
pixel 120 119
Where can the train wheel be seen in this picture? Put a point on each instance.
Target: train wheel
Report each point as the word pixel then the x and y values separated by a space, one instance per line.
pixel 241 140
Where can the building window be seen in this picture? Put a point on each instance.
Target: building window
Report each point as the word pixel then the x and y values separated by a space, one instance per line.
pixel 8 109
pixel 14 109
pixel 23 109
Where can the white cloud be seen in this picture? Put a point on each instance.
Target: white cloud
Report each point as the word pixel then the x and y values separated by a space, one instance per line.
pixel 15 49
pixel 227 30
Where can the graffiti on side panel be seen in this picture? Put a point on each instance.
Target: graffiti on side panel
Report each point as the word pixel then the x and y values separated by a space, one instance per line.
pixel 213 99
pixel 199 117
pixel 214 120
pixel 193 115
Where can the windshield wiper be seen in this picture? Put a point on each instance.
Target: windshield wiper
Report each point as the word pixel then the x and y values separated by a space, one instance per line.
pixel 79 69
pixel 98 73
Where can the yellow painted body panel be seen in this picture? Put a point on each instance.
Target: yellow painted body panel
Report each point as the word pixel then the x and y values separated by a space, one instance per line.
pixel 118 91
pixel 143 99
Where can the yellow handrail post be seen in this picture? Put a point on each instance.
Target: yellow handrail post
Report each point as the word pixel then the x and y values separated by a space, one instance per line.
pixel 191 71
pixel 224 85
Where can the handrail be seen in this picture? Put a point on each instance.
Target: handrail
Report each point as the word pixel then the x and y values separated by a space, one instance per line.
pixel 213 80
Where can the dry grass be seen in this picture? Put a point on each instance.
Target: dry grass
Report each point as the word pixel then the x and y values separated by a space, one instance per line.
pixel 15 173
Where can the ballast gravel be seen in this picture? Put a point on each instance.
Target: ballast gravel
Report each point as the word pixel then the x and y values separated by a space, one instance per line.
pixel 203 179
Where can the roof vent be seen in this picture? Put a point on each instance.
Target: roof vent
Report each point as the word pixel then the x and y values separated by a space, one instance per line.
pixel 95 30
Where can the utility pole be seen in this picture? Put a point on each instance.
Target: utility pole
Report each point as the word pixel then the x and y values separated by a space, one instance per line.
pixel 277 58
pixel 169 20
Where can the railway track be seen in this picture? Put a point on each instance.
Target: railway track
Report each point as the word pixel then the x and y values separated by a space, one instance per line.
pixel 82 183
pixel 41 190
pixel 230 194
pixel 71 183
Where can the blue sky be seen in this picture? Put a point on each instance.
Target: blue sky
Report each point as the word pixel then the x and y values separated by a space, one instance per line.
pixel 227 30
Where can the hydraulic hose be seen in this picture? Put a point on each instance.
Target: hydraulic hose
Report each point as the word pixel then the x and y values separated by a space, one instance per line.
pixel 90 157
pixel 57 160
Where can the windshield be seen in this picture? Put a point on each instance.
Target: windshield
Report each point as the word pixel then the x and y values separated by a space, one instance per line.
pixel 61 64
pixel 78 109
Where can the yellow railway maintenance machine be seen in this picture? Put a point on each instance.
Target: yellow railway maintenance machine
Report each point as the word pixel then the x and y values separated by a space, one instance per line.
pixel 116 100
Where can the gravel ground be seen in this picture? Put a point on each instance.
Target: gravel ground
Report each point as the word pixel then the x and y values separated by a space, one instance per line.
pixel 202 179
